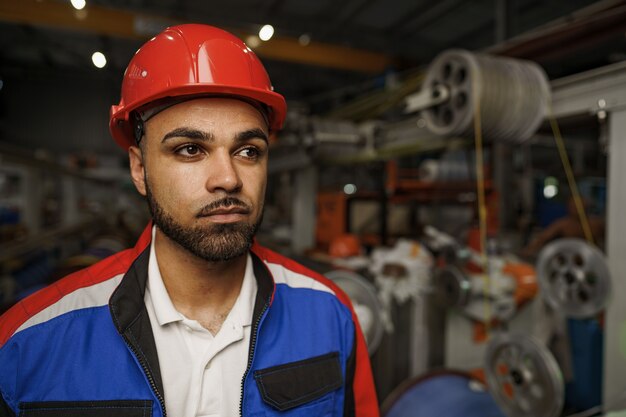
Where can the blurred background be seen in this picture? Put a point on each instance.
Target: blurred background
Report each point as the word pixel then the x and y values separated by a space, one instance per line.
pixel 455 166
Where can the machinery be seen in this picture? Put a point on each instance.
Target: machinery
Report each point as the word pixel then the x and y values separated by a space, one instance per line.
pixel 489 297
pixel 460 84
pixel 524 375
pixel 365 302
pixel 574 278
pixel 457 86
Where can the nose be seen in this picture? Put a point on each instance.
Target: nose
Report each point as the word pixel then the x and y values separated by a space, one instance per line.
pixel 223 174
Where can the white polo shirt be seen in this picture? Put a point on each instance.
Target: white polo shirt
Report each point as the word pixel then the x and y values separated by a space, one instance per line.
pixel 201 373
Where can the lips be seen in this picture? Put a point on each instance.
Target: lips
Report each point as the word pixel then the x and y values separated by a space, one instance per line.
pixel 226 210
pixel 229 214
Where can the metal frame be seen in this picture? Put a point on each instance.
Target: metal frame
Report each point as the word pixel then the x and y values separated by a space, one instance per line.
pixel 604 89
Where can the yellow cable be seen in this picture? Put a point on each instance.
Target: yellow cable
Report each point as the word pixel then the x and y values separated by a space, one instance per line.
pixel 580 208
pixel 482 207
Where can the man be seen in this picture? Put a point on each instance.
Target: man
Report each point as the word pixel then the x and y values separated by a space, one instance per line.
pixel 196 319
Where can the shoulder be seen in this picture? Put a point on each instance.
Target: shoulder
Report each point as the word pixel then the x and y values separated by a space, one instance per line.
pixel 286 271
pixel 87 288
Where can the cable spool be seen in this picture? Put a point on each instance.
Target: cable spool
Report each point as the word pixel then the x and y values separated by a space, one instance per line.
pixel 513 96
pixel 365 302
pixel 452 287
pixel 432 170
pixel 573 278
pixel 524 377
pixel 441 393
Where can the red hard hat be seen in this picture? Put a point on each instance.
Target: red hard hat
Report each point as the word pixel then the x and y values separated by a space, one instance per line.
pixel 190 60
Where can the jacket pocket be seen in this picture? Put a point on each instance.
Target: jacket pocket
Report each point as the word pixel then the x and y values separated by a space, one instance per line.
pixel 296 383
pixel 121 408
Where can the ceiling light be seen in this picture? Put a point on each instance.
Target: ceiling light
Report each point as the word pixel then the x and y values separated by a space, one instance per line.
pixel 349 189
pixel 98 59
pixel 550 191
pixel 550 187
pixel 78 4
pixel 266 32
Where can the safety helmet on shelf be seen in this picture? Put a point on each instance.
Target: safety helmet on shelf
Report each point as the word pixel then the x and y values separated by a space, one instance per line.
pixel 344 246
pixel 188 61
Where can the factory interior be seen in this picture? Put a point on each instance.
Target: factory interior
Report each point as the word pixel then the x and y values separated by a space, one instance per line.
pixel 454 166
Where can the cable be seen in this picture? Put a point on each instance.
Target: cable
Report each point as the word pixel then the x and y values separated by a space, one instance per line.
pixel 482 209
pixel 582 215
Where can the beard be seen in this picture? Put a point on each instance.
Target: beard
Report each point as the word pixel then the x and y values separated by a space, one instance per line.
pixel 212 242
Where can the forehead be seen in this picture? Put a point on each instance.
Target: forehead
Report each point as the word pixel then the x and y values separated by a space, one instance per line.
pixel 210 112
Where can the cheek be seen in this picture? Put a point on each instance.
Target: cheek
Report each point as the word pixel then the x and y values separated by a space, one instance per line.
pixel 175 185
pixel 256 182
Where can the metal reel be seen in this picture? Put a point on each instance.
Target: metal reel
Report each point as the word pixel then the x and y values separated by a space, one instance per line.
pixel 365 302
pixel 513 95
pixel 524 378
pixel 452 287
pixel 573 277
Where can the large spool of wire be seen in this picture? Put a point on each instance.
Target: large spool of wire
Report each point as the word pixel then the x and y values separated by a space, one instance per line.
pixel 513 95
pixel 443 393
pixel 366 304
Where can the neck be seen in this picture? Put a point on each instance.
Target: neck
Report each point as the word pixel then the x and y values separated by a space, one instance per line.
pixel 199 289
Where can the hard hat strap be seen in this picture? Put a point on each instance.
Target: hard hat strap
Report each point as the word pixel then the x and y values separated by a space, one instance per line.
pixel 138 126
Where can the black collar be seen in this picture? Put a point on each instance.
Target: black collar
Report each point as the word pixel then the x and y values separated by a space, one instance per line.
pixel 133 323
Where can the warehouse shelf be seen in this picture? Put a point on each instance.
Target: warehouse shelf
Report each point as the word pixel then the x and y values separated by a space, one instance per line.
pixel 9 252
pixel 48 204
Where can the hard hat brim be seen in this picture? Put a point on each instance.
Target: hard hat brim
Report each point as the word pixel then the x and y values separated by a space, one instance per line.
pixel 121 129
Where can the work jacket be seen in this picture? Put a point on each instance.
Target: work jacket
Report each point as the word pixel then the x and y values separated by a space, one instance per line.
pixel 84 346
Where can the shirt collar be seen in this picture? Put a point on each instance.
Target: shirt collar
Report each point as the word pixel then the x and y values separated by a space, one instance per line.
pixel 164 309
pixel 242 310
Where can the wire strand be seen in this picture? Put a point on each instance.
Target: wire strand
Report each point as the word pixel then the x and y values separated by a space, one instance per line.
pixel 482 209
pixel 571 180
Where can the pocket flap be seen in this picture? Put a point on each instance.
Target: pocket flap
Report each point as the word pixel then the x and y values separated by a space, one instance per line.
pixel 292 384
pixel 117 408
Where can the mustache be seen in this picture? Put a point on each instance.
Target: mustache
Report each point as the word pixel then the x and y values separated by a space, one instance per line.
pixel 223 203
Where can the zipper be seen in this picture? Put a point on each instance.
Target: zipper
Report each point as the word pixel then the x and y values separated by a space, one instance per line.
pixel 149 375
pixel 253 336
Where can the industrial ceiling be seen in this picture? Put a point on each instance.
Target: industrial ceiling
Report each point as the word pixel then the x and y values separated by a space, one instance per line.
pixel 321 49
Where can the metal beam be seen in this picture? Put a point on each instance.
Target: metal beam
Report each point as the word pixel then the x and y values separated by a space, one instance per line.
pixel 126 24
pixel 567 34
pixel 93 19
pixel 324 55
pixel 615 326
pixel 582 93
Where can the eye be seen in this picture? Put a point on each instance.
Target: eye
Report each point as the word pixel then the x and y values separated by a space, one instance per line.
pixel 188 150
pixel 249 153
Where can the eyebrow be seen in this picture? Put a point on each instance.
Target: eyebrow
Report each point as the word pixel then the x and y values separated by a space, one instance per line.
pixel 251 134
pixel 184 132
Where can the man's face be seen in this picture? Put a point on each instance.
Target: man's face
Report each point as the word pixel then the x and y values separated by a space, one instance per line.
pixel 203 169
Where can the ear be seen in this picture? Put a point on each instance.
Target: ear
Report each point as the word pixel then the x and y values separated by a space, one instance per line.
pixel 137 169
